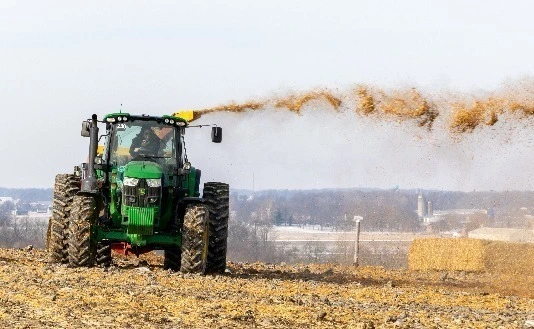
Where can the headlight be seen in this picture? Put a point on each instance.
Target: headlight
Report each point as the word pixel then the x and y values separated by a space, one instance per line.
pixel 187 165
pixel 153 182
pixel 110 119
pixel 128 181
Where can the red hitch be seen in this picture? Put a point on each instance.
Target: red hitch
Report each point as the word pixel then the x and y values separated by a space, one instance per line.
pixel 125 248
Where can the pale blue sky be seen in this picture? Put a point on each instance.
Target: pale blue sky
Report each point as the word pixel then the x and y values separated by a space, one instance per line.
pixel 60 61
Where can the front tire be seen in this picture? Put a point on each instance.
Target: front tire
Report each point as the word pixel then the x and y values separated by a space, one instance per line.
pixel 195 239
pixel 81 249
pixel 103 254
pixel 216 196
pixel 65 188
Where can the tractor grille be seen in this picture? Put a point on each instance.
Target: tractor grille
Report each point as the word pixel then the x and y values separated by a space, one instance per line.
pixel 141 195
pixel 141 220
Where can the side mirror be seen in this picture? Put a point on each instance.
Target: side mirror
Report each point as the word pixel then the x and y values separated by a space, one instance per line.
pixel 85 129
pixel 216 134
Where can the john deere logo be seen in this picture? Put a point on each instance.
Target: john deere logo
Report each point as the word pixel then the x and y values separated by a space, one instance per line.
pixel 141 191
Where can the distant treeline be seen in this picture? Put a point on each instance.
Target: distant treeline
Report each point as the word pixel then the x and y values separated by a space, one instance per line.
pixel 336 208
pixel 333 203
pixel 505 201
pixel 28 194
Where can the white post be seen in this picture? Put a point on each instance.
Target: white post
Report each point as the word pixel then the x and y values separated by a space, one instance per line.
pixel 357 219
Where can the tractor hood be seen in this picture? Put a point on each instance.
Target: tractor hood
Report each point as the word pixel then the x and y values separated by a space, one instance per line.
pixel 143 169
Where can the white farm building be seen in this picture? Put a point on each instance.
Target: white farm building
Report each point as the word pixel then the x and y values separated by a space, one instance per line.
pixel 502 234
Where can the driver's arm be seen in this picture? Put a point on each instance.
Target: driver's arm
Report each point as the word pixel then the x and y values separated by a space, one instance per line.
pixel 134 148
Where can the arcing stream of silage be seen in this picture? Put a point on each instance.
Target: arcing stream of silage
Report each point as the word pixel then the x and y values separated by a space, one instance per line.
pixel 463 113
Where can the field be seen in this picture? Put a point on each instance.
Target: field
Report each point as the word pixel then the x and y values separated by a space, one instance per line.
pixel 138 293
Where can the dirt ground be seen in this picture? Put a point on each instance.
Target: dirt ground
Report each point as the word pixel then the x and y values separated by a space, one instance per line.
pixel 138 293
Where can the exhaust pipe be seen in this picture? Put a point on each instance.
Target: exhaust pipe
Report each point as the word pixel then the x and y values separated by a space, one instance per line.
pixel 89 183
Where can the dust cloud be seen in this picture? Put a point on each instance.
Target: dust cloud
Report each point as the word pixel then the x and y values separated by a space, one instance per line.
pixel 366 136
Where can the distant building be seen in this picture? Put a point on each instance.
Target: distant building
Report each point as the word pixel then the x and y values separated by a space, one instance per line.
pixel 4 199
pixel 464 212
pixel 502 234
pixel 41 206
pixel 425 210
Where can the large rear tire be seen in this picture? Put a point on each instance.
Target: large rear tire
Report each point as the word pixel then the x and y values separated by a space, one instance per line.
pixel 65 188
pixel 82 252
pixel 216 196
pixel 195 239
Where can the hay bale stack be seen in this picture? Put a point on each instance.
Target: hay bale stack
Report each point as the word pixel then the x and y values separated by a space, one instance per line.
pixel 471 255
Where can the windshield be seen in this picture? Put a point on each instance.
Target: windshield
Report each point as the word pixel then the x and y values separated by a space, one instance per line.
pixel 142 140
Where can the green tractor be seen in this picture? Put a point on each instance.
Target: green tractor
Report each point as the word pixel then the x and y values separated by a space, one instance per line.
pixel 139 193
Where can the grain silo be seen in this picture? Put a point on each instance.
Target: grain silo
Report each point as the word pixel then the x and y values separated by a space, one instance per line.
pixel 421 209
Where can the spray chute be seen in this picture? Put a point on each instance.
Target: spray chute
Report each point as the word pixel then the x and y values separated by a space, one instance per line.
pixel 187 115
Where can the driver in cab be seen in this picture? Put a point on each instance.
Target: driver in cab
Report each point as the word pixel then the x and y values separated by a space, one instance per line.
pixel 146 143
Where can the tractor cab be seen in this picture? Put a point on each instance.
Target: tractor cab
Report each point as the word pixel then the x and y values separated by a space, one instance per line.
pixel 143 140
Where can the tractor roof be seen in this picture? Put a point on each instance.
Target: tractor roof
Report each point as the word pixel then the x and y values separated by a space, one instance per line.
pixel 124 117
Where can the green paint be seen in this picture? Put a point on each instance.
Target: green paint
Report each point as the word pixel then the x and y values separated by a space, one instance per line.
pixel 189 184
pixel 113 205
pixel 143 169
pixel 162 239
pixel 176 119
pixel 116 115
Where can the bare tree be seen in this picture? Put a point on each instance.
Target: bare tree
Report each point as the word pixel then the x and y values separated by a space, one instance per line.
pixel 22 231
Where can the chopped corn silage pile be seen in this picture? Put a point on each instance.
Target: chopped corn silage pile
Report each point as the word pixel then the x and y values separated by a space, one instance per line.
pixel 447 254
pixel 509 258
pixel 472 255
pixel 140 294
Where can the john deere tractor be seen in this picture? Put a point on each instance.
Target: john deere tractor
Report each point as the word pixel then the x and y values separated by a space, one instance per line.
pixel 137 193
